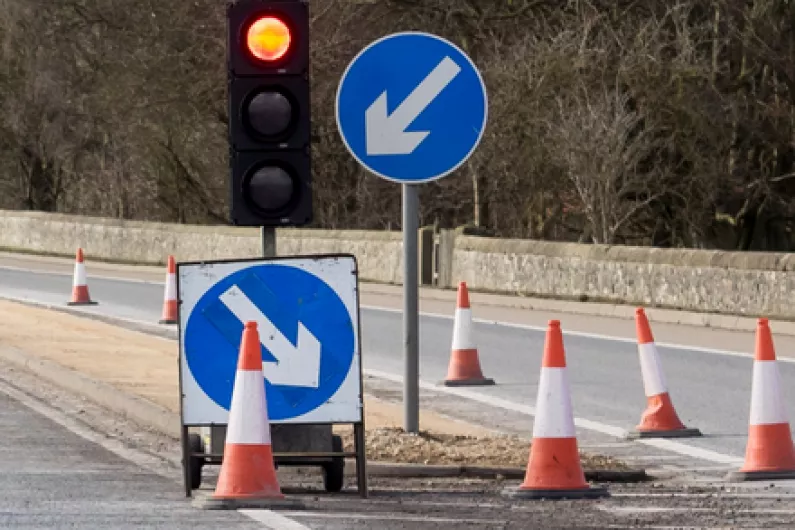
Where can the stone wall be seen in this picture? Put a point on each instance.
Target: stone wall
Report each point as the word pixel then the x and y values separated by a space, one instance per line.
pixel 378 253
pixel 740 283
pixel 749 283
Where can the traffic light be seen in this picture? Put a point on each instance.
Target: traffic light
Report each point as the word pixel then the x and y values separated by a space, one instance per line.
pixel 269 112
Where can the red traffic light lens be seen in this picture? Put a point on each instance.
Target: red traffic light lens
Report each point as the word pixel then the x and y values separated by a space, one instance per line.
pixel 268 39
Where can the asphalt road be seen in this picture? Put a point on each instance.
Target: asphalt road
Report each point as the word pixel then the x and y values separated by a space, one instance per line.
pixel 53 478
pixel 69 463
pixel 711 391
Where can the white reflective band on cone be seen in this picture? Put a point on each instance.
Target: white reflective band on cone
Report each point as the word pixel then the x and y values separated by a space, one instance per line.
pixel 554 418
pixel 767 405
pixel 248 423
pixel 462 330
pixel 171 287
pixel 80 275
pixel 653 378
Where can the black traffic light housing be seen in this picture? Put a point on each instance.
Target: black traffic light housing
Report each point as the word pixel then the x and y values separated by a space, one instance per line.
pixel 269 113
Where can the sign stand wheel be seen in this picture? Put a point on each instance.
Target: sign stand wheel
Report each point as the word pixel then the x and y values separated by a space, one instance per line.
pixel 195 462
pixel 334 471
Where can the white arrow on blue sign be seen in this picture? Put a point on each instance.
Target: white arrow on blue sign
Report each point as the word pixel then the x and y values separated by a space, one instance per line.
pixel 306 310
pixel 411 107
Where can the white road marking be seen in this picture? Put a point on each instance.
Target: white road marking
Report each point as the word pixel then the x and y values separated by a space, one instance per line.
pixel 669 445
pixel 98 274
pixel 652 458
pixel 392 517
pixel 273 520
pixel 635 510
pixel 716 495
pixel 583 334
pixel 617 432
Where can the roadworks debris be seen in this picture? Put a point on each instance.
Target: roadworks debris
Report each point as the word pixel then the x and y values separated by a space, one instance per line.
pixel 391 444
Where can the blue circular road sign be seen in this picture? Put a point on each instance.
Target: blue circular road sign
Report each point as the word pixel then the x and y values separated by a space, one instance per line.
pixel 411 107
pixel 307 337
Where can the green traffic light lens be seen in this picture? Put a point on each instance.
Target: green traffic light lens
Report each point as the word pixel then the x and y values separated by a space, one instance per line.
pixel 270 188
pixel 269 113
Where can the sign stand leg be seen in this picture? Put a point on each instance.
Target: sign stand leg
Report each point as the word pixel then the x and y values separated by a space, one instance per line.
pixel 361 466
pixel 410 308
pixel 186 457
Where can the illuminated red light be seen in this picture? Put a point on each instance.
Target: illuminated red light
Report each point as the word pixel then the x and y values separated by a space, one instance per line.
pixel 268 39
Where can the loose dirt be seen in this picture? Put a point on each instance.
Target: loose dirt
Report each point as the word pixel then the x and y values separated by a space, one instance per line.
pixel 392 444
pixel 147 366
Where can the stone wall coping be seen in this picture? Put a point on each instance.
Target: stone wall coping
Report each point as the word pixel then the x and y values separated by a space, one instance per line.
pixel 295 233
pixel 772 261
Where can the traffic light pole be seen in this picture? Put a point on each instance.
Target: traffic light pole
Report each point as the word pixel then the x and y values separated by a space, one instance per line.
pixel 218 432
pixel 411 399
pixel 268 235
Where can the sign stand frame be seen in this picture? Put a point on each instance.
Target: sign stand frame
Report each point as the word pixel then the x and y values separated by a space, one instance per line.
pixel 196 453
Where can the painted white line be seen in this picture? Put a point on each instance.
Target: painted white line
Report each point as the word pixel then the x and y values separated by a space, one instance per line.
pixel 696 469
pixel 99 276
pixel 635 510
pixel 96 315
pixel 514 325
pixel 652 458
pixel 768 511
pixel 418 503
pixel 714 495
pixel 617 432
pixel 273 520
pixel 393 517
pixel 493 401
pixel 607 445
pixel 582 334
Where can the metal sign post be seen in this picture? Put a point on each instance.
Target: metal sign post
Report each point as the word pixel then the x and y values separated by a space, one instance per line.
pixel 411 378
pixel 411 108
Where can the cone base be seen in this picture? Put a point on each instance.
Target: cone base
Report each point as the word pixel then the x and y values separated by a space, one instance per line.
pixel 479 381
pixel 742 476
pixel 89 302
pixel 595 492
pixel 166 321
pixel 221 503
pixel 677 433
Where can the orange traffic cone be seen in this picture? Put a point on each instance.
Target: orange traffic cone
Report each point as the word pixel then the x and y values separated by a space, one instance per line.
pixel 553 469
pixel 248 474
pixel 80 294
pixel 769 453
pixel 659 420
pixel 464 368
pixel 169 315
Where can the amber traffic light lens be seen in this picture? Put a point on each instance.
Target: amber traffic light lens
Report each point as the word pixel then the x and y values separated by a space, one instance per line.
pixel 268 39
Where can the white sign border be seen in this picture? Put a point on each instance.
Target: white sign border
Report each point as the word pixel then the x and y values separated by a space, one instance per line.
pixel 344 77
pixel 338 271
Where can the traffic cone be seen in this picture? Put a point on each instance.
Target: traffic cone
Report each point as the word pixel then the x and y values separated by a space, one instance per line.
pixel 169 315
pixel 769 452
pixel 553 469
pixel 659 420
pixel 464 368
pixel 80 294
pixel 248 474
